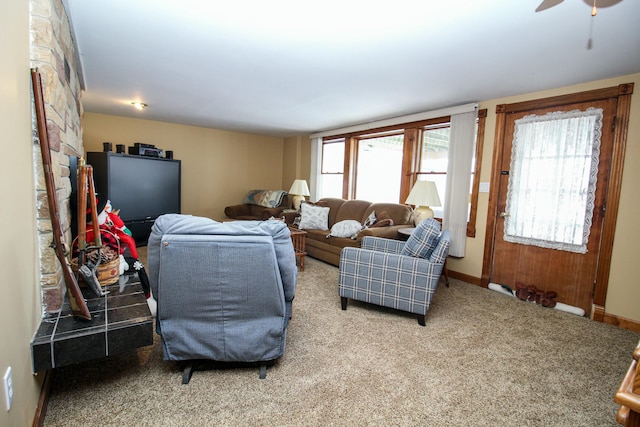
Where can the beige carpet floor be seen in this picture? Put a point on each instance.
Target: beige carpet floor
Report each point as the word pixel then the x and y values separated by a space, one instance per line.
pixel 483 359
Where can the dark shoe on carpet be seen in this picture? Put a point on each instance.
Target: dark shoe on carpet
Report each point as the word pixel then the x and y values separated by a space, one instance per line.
pixel 548 299
pixel 521 291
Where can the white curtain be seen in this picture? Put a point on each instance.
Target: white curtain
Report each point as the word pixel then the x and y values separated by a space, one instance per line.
pixel 315 178
pixel 552 181
pixel 456 204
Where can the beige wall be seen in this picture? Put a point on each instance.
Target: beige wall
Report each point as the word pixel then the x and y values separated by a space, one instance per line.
pixel 218 167
pixel 295 157
pixel 623 298
pixel 20 308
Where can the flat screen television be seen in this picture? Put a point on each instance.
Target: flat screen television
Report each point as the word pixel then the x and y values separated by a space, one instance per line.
pixel 142 188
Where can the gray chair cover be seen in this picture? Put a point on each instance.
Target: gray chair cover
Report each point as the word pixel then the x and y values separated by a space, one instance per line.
pixel 224 290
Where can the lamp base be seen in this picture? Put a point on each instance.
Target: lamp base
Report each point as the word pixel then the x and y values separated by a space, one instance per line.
pixel 420 213
pixel 297 201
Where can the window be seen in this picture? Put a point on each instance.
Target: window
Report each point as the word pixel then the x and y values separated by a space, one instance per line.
pixel 381 165
pixel 554 209
pixel 434 158
pixel 332 168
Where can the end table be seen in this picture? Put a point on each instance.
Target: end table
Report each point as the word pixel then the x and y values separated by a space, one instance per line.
pixel 299 240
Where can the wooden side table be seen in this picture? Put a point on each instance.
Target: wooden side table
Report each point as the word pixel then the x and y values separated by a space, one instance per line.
pixel 299 240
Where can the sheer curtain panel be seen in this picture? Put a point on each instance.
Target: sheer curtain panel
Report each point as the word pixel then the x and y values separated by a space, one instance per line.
pixel 456 205
pixel 552 181
pixel 315 178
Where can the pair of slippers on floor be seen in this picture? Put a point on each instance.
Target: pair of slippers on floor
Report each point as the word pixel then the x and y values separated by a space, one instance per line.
pixel 533 294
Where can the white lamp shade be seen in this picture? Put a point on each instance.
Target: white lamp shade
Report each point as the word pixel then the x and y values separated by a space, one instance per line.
pixel 424 193
pixel 299 188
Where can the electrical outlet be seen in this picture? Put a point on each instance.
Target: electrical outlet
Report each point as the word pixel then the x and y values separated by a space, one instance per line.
pixel 8 388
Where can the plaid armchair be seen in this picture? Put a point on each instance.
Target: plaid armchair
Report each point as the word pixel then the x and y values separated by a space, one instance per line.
pixel 395 274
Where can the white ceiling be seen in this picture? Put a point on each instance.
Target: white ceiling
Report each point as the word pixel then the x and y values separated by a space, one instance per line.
pixel 285 67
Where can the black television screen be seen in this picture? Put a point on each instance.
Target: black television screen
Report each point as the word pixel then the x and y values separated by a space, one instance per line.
pixel 143 188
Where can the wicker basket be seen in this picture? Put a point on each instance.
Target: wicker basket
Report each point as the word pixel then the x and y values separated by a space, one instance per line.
pixel 108 271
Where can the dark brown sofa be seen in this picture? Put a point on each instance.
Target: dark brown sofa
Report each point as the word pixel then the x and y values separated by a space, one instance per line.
pixel 247 211
pixel 328 249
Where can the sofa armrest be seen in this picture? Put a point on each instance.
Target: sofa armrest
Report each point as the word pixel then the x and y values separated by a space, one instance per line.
pixel 271 212
pixel 237 210
pixel 378 259
pixel 382 244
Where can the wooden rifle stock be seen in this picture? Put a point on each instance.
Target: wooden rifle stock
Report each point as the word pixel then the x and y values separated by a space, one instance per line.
pixel 97 239
pixel 82 212
pixel 76 299
pixel 86 187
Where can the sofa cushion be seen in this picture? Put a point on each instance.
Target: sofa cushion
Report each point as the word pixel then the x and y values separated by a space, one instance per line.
pixel 353 209
pixel 313 217
pixel 423 240
pixel 347 228
pixel 334 205
pixel 266 198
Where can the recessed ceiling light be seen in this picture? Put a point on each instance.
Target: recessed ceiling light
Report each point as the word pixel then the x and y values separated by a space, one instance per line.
pixel 139 105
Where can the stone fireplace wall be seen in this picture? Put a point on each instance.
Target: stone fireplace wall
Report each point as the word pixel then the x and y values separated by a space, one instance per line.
pixel 53 53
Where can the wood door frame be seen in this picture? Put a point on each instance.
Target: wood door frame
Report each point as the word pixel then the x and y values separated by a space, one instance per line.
pixel 623 94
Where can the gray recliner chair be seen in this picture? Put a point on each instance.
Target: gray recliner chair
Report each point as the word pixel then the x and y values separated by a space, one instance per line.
pixel 224 290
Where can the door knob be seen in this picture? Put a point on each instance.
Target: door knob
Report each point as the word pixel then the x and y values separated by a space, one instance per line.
pixel 503 214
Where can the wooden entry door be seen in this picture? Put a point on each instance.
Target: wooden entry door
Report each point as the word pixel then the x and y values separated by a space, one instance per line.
pixel 573 275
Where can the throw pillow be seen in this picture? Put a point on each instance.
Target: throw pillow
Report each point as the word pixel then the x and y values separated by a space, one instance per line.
pixel 371 219
pixel 313 217
pixel 423 240
pixel 265 198
pixel 346 228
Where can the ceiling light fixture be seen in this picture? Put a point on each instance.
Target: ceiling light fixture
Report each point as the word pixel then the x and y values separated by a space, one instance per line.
pixel 139 105
pixel 594 11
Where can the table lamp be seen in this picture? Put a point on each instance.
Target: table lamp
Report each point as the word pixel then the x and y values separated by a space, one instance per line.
pixel 422 195
pixel 299 189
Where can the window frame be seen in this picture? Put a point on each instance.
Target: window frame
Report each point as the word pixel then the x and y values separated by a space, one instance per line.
pixel 325 142
pixel 412 152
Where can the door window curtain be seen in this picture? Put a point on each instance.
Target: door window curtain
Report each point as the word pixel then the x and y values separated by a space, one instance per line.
pixel 456 205
pixel 552 180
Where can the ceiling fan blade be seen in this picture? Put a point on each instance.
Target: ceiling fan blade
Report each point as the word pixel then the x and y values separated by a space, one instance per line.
pixel 546 4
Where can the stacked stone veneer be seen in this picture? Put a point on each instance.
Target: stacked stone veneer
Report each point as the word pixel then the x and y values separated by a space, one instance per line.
pixel 53 53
